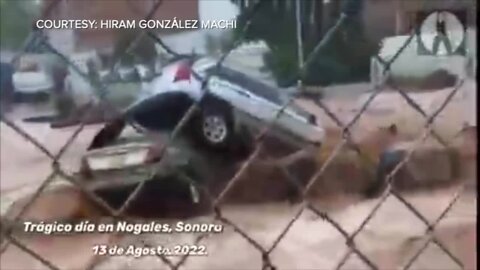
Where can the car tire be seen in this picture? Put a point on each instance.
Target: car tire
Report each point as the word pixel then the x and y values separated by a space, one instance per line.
pixel 215 127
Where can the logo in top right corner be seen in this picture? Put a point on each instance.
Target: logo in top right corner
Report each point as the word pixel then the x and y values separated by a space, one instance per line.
pixel 441 33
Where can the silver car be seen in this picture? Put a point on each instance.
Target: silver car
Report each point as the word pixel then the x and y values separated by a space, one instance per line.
pixel 234 103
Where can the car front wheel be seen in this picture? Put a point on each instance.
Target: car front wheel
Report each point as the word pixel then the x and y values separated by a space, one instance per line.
pixel 216 128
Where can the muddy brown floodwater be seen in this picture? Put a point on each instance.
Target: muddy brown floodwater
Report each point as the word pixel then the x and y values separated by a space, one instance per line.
pixel 389 239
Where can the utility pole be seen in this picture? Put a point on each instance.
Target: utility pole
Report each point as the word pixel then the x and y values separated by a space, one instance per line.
pixel 298 18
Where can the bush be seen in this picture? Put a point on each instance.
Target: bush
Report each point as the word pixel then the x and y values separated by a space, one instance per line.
pixel 16 20
pixel 346 58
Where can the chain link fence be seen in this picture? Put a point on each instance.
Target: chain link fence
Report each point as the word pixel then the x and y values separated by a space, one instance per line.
pixel 346 141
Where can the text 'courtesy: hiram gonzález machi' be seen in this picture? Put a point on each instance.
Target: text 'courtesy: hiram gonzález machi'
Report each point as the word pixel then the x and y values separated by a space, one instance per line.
pixel 133 24
pixel 168 24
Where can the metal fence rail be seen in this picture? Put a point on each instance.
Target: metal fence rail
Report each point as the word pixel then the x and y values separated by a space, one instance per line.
pixel 346 141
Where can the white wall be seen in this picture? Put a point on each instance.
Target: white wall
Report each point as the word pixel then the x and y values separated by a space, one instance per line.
pixel 410 64
pixel 185 42
pixel 63 40
pixel 217 10
pixel 6 56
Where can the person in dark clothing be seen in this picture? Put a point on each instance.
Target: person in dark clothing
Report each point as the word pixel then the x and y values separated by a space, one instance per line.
pixel 441 37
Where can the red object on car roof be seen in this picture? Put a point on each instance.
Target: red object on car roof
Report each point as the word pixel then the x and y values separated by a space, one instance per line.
pixel 183 73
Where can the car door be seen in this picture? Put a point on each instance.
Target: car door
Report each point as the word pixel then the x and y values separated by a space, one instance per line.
pixel 264 101
pixel 232 93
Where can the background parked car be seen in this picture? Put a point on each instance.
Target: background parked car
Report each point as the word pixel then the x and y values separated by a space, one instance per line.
pixel 31 81
pixel 77 87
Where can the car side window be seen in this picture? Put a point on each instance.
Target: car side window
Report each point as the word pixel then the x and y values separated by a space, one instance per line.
pixel 161 111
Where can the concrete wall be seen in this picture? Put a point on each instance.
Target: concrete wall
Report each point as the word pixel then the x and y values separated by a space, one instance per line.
pixel 185 42
pixel 385 18
pixel 63 40
pixel 411 64
pixel 6 56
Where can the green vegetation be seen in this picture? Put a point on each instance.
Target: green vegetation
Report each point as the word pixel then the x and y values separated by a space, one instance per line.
pixel 346 58
pixel 16 20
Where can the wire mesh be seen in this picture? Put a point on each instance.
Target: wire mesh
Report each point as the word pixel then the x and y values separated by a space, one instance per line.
pixel 216 201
